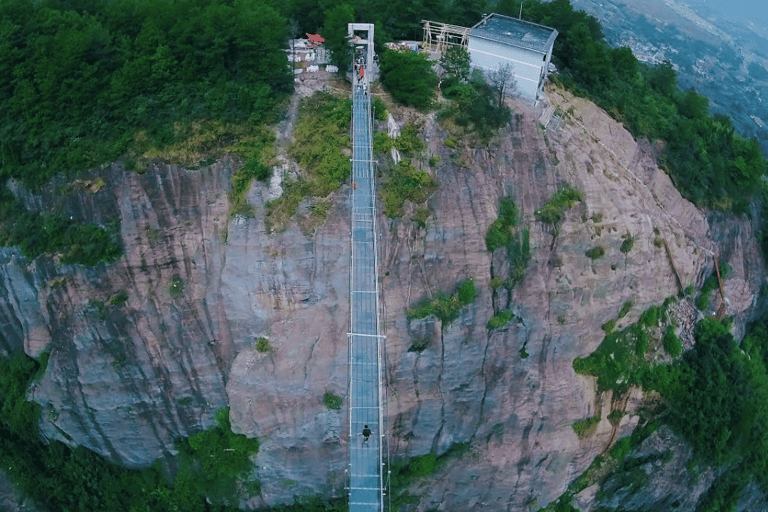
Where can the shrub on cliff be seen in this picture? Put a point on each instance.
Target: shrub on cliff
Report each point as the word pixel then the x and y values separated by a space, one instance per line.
pixel 582 427
pixel 445 307
pixel 554 210
pixel 499 232
pixel 332 401
pixel 404 182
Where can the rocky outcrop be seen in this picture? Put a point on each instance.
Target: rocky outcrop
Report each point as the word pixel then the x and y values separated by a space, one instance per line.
pixel 126 377
pixel 140 348
pixel 475 385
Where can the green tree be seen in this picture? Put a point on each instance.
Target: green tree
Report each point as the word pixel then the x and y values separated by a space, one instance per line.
pixel 409 77
pixel 336 34
pixel 455 62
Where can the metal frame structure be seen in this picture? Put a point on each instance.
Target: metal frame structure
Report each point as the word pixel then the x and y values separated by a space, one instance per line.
pixel 361 36
pixel 439 36
pixel 365 385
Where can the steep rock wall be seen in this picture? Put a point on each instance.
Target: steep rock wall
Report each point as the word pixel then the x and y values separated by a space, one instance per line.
pixel 126 379
pixel 473 385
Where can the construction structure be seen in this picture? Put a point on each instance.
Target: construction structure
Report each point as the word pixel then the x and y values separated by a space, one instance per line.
pixel 499 40
pixel 438 37
pixel 365 478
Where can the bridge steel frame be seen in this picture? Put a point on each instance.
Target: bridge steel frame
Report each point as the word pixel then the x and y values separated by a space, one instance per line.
pixel 365 391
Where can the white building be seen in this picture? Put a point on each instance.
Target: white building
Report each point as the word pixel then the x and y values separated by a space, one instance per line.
pixel 499 40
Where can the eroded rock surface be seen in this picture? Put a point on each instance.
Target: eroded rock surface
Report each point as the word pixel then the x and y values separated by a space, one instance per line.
pixel 126 379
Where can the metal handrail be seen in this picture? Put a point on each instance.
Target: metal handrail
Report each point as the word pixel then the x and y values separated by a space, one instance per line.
pixel 362 162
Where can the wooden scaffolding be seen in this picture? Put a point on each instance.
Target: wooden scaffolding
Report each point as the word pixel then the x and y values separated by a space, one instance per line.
pixel 439 36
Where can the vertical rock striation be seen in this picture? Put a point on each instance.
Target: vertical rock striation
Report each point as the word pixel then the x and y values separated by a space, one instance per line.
pixel 130 372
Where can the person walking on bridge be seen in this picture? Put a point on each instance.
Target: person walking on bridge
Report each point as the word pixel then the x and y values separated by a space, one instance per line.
pixel 366 434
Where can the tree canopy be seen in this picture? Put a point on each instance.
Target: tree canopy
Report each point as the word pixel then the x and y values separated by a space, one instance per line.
pixel 409 77
pixel 77 79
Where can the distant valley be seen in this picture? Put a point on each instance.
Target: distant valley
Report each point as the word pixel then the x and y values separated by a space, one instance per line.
pixel 722 59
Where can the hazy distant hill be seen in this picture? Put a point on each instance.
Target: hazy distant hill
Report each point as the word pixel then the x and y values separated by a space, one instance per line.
pixel 719 58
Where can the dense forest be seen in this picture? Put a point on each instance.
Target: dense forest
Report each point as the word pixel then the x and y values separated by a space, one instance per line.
pixel 83 82
pixel 77 79
pixel 86 82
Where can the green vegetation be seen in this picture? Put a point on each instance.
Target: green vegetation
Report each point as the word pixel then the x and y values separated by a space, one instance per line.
pixel 475 105
pixel 18 417
pixel 519 254
pixel 336 36
pixel 445 307
pixel 618 462
pixel 615 416
pixel 263 344
pixel 405 472
pixel 409 77
pixel 583 427
pixel 176 288
pixel 382 143
pixel 504 232
pixel 84 83
pixel 627 244
pixel 714 396
pixel 455 62
pixel 332 400
pixel 554 210
pixel 320 135
pixel 709 163
pixel 499 233
pixel 79 81
pixel 595 252
pixel 379 109
pixel 49 233
pixel 620 361
pixel 420 217
pixel 500 319
pixel 403 182
pixel 60 478
pixel 652 316
pixel 719 389
pixel 408 143
pixel 625 308
pixel 716 393
pixel 710 285
pixel 211 461
pixel 419 344
pixel 609 326
pixel 257 151
pixel 103 308
pixel 119 298
pixel 671 342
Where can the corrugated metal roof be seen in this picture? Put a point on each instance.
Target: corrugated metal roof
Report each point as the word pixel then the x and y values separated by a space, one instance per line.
pixel 524 34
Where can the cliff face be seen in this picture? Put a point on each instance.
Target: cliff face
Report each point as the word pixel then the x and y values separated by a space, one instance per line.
pixel 474 385
pixel 127 377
